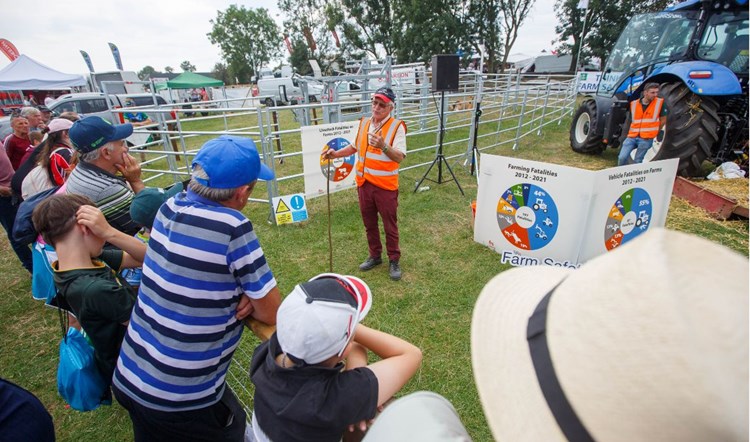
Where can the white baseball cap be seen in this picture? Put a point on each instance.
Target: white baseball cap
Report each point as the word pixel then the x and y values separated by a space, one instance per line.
pixel 317 319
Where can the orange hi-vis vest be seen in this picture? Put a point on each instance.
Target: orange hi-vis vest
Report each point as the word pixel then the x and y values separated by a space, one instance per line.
pixel 372 164
pixel 645 124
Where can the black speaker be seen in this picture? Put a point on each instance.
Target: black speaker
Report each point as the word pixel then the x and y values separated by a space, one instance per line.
pixel 444 72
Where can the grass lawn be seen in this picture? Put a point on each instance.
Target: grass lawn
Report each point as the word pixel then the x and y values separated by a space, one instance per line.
pixel 444 271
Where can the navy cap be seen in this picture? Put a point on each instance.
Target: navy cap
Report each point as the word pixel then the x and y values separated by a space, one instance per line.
pixel 386 94
pixel 230 162
pixel 91 133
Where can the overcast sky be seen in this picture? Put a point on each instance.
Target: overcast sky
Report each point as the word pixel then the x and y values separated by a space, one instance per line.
pixel 159 32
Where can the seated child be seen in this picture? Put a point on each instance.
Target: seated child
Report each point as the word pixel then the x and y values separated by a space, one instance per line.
pixel 85 275
pixel 302 390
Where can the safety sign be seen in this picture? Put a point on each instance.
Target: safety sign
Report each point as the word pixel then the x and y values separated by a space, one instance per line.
pixel 289 209
pixel 538 213
pixel 323 174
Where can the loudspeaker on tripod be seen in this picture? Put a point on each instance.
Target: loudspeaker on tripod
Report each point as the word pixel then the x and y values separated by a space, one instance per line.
pixel 444 72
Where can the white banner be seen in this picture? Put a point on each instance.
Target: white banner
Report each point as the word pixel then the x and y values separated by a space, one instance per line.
pixel 583 4
pixel 537 213
pixel 317 170
pixel 588 81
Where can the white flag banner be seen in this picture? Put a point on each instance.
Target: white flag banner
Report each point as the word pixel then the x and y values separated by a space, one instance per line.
pixel 583 4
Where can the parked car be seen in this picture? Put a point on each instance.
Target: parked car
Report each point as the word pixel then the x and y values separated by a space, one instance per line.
pixel 286 90
pixel 92 103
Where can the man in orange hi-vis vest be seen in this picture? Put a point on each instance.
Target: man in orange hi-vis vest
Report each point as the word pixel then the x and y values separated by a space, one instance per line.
pixel 648 117
pixel 380 147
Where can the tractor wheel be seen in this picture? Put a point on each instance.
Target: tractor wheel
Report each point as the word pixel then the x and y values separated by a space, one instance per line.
pixel 269 102
pixel 583 136
pixel 691 131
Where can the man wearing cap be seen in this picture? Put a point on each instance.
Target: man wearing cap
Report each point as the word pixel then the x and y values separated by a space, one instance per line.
pixel 45 113
pixel 203 274
pixel 103 152
pixel 380 147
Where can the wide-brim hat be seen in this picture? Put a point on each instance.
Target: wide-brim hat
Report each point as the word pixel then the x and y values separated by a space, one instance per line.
pixel 648 342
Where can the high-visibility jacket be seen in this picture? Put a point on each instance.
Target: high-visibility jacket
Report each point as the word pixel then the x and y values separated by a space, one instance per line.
pixel 645 124
pixel 372 164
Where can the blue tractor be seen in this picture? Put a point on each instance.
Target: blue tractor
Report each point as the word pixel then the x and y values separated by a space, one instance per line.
pixel 697 51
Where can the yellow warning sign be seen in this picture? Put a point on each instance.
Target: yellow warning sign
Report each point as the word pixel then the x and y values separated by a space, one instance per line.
pixel 282 207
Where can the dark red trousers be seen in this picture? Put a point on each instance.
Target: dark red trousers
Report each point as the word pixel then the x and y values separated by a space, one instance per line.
pixel 374 201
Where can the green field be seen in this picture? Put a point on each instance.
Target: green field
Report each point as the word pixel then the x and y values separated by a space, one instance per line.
pixel 444 271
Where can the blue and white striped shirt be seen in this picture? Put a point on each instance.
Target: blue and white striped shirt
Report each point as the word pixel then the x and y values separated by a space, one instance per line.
pixel 201 258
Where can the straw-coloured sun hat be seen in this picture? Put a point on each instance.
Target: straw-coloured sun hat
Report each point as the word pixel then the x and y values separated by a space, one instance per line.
pixel 645 343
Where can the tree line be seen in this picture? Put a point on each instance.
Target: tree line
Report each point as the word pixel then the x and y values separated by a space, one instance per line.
pixel 333 31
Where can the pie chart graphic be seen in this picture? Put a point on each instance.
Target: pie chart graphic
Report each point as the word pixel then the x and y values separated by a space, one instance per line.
pixel 340 168
pixel 629 216
pixel 527 216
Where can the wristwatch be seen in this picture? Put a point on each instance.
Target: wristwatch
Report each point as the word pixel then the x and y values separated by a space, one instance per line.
pixel 385 148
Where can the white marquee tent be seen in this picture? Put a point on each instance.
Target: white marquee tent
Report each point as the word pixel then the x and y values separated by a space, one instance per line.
pixel 25 73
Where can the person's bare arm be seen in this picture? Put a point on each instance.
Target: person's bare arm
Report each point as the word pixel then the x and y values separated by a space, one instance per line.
pixel 263 309
pixel 378 141
pixel 5 191
pixel 400 360
pixel 356 357
pixel 345 152
pixel 662 122
pixel 94 220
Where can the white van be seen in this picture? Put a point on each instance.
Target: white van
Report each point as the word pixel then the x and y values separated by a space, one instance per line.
pixel 285 90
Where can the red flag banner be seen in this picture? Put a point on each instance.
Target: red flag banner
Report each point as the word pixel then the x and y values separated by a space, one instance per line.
pixel 9 49
pixel 288 44
pixel 336 37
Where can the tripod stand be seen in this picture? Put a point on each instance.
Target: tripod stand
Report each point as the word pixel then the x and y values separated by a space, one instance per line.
pixel 474 148
pixel 439 157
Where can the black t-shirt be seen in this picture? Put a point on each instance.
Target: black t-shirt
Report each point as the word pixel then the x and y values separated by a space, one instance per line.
pixel 309 403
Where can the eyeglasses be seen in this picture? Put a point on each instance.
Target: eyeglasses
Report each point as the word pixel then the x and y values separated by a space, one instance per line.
pixel 359 294
pixel 376 103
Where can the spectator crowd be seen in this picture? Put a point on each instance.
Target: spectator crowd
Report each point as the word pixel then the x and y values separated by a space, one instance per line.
pixel 164 281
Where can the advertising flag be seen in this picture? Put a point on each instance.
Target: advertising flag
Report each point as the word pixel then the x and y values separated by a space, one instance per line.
pixel 9 49
pixel 116 55
pixel 288 44
pixel 87 59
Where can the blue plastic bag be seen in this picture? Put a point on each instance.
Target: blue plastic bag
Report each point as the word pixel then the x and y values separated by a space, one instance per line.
pixel 42 284
pixel 78 380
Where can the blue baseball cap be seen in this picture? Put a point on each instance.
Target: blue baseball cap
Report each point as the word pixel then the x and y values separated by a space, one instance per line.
pixel 91 133
pixel 230 162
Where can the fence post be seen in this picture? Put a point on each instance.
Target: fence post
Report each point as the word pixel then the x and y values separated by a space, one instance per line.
pixel 424 101
pixel 266 142
pixel 544 109
pixel 520 119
